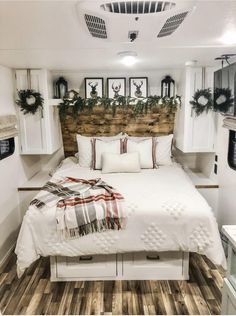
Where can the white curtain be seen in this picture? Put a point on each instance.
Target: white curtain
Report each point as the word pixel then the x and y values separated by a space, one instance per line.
pixel 230 123
pixel 8 126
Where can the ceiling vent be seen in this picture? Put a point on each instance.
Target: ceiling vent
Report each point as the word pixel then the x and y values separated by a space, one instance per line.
pixel 137 7
pixel 96 26
pixel 172 24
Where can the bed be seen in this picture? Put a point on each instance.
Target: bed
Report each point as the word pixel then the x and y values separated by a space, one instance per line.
pixel 167 219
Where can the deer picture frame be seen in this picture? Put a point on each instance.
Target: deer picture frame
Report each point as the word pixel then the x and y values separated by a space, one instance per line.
pixel 138 87
pixel 94 87
pixel 116 87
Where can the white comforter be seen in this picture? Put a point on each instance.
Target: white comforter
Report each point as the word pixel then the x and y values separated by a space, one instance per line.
pixel 165 212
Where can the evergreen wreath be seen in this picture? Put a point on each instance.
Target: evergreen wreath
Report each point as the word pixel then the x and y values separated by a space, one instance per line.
pixel 202 101
pixel 223 100
pixel 29 101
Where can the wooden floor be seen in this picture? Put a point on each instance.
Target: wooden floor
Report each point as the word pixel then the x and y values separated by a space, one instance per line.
pixel 35 294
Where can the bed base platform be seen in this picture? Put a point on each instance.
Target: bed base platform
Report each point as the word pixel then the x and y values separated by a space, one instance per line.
pixel 173 265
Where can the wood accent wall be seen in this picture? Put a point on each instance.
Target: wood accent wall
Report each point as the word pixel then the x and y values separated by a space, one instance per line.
pixel 101 122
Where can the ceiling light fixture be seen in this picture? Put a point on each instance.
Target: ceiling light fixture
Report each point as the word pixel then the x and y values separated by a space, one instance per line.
pixel 229 38
pixel 128 58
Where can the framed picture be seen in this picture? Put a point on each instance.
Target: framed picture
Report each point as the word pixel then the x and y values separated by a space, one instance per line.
pixel 93 87
pixel 116 87
pixel 138 87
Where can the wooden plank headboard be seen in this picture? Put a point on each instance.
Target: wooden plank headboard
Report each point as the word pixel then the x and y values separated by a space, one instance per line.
pixel 101 122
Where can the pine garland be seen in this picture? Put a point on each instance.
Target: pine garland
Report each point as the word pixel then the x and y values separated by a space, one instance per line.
pixel 139 106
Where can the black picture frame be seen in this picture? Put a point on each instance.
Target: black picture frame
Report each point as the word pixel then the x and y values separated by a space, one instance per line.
pixel 134 90
pixel 99 88
pixel 115 93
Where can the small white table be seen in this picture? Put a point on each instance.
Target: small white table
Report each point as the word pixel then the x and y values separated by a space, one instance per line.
pixel 229 288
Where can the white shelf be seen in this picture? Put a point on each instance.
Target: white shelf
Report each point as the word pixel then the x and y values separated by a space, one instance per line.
pixel 54 102
pixel 200 180
pixel 36 182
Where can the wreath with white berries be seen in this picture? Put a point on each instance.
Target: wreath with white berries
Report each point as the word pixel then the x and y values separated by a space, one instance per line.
pixel 223 100
pixel 29 101
pixel 202 101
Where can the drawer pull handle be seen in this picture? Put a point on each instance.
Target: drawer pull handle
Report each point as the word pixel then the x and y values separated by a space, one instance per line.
pixel 153 257
pixel 85 258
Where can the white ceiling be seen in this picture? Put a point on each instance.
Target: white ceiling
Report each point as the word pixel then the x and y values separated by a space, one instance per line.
pixel 49 34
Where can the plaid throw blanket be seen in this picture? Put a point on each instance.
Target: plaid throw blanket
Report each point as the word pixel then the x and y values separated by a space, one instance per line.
pixel 83 206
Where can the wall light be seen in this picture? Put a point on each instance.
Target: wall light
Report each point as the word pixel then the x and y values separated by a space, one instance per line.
pixel 128 58
pixel 229 38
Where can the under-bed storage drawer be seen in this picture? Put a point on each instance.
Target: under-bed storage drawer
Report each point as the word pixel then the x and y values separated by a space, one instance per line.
pixel 85 267
pixel 154 265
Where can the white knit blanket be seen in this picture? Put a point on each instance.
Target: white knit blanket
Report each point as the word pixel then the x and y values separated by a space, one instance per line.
pixel 165 213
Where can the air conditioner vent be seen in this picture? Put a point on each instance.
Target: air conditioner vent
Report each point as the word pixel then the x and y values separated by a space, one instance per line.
pixel 137 7
pixel 96 26
pixel 172 24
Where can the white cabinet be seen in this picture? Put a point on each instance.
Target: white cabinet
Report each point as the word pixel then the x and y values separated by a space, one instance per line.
pixel 195 133
pixel 39 133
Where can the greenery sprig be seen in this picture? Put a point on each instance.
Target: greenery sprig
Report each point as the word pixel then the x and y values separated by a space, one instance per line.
pixel 139 106
pixel 29 101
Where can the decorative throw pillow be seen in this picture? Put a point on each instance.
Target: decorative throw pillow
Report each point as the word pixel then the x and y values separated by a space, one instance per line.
pixel 85 149
pixel 112 163
pixel 163 150
pixel 146 149
pixel 100 146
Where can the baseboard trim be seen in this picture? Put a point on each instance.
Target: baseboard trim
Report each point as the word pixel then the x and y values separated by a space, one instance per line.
pixel 7 255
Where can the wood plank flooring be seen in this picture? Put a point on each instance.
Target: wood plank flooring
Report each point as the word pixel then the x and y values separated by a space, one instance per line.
pixel 35 294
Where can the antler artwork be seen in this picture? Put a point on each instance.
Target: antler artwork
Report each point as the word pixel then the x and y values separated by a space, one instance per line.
pixel 116 89
pixel 93 86
pixel 138 92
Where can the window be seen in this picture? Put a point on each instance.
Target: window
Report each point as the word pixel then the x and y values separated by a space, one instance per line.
pixel 232 150
pixel 7 147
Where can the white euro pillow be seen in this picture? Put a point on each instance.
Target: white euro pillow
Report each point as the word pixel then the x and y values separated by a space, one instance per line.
pixel 113 163
pixel 85 149
pixel 146 149
pixel 100 146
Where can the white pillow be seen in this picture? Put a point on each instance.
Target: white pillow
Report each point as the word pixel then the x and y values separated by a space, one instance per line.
pixel 146 149
pixel 112 163
pixel 85 149
pixel 100 146
pixel 163 150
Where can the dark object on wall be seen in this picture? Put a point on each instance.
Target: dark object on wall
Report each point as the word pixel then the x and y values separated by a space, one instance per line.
pixel 7 147
pixel 232 150
pixel 138 87
pixel 167 87
pixel 61 88
pixel 29 101
pixel 94 87
pixel 116 87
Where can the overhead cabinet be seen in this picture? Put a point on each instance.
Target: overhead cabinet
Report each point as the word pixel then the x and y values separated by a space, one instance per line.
pixel 40 133
pixel 195 133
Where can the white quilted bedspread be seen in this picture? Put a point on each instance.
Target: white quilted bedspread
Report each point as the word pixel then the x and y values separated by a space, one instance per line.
pixel 165 212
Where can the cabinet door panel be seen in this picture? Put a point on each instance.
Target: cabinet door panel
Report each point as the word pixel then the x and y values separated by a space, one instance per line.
pixel 31 126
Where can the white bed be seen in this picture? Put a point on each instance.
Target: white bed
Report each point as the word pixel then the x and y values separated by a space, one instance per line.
pixel 165 213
